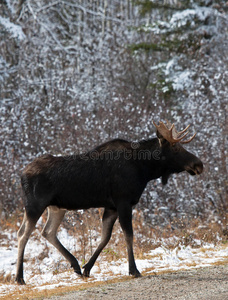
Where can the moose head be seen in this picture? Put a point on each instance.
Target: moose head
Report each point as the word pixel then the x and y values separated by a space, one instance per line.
pixel 175 158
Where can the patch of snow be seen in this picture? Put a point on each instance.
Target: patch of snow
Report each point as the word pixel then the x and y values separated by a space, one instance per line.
pixel 182 80
pixel 189 15
pixel 10 6
pixel 15 30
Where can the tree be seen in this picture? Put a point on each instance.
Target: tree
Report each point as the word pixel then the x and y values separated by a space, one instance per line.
pixel 74 74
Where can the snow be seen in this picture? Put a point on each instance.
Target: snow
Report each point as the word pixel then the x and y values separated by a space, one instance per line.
pixel 53 271
pixel 15 30
pixel 182 18
pixel 179 19
pixel 182 80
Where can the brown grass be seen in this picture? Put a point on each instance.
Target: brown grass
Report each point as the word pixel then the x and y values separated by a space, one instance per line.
pixel 86 228
pixel 84 225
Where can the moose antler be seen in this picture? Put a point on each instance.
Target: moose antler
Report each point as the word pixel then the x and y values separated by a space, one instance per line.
pixel 170 133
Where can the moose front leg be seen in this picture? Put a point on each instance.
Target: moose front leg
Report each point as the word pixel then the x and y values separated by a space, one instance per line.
pixel 125 218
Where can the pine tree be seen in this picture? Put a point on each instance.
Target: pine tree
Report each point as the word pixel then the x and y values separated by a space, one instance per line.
pixel 172 29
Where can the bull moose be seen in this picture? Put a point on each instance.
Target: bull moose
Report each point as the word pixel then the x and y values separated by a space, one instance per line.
pixel 112 175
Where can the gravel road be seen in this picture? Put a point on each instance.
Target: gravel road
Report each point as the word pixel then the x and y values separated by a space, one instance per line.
pixel 206 283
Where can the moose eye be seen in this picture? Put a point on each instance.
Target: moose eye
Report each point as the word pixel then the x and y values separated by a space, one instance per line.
pixel 175 148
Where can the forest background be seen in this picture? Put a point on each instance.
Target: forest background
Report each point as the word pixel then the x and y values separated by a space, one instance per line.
pixel 74 74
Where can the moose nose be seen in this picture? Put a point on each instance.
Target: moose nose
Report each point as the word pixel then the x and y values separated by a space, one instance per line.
pixel 197 167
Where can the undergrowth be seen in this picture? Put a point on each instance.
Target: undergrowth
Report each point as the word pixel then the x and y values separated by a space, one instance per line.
pixel 86 225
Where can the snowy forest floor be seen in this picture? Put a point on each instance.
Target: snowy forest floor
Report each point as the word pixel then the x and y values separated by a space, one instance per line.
pixel 47 273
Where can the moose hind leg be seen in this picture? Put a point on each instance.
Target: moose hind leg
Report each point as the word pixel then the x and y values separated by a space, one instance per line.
pixel 55 217
pixel 108 220
pixel 23 235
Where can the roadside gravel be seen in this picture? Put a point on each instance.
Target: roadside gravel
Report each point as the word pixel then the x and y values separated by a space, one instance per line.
pixel 209 283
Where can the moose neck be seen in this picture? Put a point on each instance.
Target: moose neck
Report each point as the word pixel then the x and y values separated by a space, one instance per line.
pixel 149 157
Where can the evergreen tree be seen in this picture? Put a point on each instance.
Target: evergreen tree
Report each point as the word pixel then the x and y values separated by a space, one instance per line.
pixel 172 33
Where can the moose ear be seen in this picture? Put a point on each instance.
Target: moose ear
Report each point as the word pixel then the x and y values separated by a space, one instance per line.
pixel 161 139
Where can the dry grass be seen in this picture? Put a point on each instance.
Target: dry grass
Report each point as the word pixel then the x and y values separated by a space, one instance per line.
pixel 6 278
pixel 86 227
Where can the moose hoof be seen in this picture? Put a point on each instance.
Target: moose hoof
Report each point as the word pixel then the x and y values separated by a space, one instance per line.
pixel 86 271
pixel 20 281
pixel 135 274
pixel 78 272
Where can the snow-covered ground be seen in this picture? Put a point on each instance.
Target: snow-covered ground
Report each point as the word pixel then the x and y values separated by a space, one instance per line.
pixel 47 269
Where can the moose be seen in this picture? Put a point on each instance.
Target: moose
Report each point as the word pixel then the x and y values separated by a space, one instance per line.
pixel 112 176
